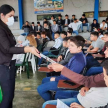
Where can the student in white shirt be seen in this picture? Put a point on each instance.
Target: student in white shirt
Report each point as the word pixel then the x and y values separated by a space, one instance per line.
pixel 103 25
pixel 54 28
pixel 52 19
pixel 74 26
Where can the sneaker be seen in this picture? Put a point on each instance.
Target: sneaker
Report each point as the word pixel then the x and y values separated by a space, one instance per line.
pixel 88 30
pixel 82 31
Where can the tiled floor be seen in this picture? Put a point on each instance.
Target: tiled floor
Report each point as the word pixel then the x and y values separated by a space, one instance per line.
pixel 26 95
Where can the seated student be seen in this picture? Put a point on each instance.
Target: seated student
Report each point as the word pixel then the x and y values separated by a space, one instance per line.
pixel 54 28
pixel 65 55
pixel 73 17
pixel 66 22
pixel 95 25
pixel 26 25
pixel 52 19
pixel 57 44
pixel 63 34
pixel 100 34
pixel 107 24
pixel 47 29
pixel 60 22
pixel 103 25
pixel 69 33
pixel 38 27
pixel 96 46
pixel 84 21
pixel 39 38
pixel 46 21
pixel 32 27
pixel 86 97
pixel 74 26
pixel 79 59
pixel 44 38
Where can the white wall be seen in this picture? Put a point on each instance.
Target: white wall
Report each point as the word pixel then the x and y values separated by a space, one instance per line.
pixel 70 7
pixel 13 3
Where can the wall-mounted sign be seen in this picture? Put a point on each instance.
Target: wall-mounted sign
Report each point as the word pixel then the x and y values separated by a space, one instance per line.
pixel 48 6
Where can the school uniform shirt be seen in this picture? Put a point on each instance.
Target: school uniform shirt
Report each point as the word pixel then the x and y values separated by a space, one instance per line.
pixel 99 43
pixel 54 28
pixel 60 22
pixel 74 26
pixel 82 19
pixel 94 98
pixel 66 21
pixel 58 43
pixel 101 25
pixel 76 64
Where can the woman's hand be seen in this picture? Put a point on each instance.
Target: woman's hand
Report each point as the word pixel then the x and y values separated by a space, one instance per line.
pixel 83 91
pixel 56 67
pixel 76 105
pixel 32 50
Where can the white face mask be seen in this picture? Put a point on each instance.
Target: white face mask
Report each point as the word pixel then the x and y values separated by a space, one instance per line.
pixel 10 21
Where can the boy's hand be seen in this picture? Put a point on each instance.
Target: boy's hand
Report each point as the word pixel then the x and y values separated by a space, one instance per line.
pixel 56 67
pixel 84 90
pixel 59 58
pixel 76 105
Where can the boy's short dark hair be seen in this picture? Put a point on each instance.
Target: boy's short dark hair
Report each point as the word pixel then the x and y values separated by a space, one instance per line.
pixel 45 22
pixel 70 32
pixel 45 18
pixel 57 32
pixel 43 33
pixel 105 66
pixel 103 21
pixel 66 39
pixel 70 29
pixel 106 33
pixel 59 15
pixel 38 33
pixel 95 33
pixel 83 15
pixel 32 22
pixel 38 22
pixel 63 32
pixel 78 40
pixel 73 15
pixel 66 15
pixel 54 20
pixel 101 31
pixel 75 19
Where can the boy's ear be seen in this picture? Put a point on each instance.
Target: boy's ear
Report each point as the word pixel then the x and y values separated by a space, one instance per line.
pixel 80 47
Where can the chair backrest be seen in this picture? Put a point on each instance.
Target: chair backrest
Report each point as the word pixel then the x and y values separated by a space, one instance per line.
pixel 26 30
pixel 50 44
pixel 39 48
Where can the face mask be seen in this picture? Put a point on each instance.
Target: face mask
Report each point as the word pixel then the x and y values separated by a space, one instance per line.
pixel 10 21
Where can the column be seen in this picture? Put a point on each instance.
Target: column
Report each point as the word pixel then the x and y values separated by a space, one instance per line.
pixel 96 9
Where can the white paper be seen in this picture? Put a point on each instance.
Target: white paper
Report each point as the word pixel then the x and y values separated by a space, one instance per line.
pixel 47 58
pixel 60 104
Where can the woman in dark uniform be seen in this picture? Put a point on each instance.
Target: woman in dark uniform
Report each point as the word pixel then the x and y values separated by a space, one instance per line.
pixel 7 49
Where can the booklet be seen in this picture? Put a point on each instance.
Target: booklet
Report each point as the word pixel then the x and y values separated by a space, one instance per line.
pixel 60 104
pixel 47 58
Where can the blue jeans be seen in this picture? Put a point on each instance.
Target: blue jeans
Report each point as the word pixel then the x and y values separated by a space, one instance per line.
pixel 45 87
pixel 66 101
pixel 60 29
pixel 86 24
pixel 91 62
pixel 94 71
pixel 64 94
pixel 76 32
pixel 40 60
pixel 53 35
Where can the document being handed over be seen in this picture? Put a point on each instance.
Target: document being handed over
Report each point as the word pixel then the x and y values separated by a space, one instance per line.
pixel 60 104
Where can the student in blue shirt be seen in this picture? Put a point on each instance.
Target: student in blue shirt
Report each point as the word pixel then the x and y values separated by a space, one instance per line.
pixel 76 64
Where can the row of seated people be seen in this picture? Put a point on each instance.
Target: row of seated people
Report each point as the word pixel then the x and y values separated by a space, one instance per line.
pixel 96 76
pixel 59 25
